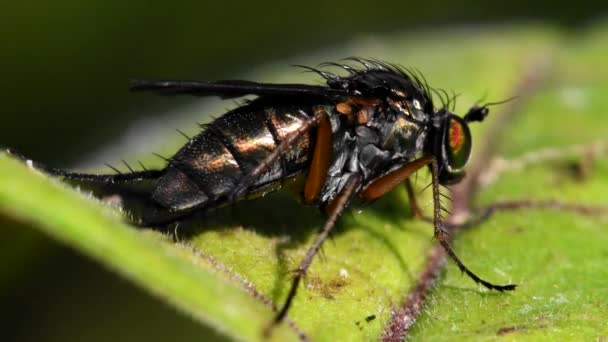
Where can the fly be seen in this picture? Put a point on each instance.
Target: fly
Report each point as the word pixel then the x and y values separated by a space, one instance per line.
pixel 363 133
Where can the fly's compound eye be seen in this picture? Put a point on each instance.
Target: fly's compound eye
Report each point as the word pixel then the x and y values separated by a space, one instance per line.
pixel 457 144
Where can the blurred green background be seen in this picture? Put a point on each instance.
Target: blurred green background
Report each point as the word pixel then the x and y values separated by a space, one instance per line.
pixel 64 70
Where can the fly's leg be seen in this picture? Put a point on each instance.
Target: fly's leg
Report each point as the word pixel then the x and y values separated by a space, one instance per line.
pixel 320 162
pixel 337 206
pixel 388 182
pixel 411 195
pixel 417 212
pixel 442 236
pixel 479 218
pixel 382 185
pixel 271 158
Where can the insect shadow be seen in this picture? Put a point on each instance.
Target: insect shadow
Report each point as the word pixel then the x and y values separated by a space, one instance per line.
pixel 276 215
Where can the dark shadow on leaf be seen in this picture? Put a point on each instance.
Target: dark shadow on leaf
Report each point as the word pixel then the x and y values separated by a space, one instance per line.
pixel 276 215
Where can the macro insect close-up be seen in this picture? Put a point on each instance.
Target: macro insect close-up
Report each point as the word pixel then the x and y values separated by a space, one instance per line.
pixel 443 186
pixel 373 129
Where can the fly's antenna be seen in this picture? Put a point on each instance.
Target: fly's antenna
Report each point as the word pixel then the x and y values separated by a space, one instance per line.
pixel 479 112
pixel 483 97
pixel 501 101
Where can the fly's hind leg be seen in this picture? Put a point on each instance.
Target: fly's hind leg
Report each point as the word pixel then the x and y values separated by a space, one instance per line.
pixel 337 207
pixel 271 158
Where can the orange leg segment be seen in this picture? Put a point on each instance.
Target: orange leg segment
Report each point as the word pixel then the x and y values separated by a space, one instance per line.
pixel 388 182
pixel 321 160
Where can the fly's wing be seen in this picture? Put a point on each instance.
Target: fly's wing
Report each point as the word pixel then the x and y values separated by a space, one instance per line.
pixel 235 88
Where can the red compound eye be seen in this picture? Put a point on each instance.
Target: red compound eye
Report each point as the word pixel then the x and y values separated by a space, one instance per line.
pixel 456 136
pixel 458 143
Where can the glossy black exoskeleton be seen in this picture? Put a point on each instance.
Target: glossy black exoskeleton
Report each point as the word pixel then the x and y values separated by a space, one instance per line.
pixel 355 138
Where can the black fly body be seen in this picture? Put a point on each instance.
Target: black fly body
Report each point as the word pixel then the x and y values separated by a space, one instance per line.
pixel 350 141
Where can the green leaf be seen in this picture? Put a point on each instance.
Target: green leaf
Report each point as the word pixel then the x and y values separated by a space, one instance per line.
pixel 167 270
pixel 377 255
pixel 558 257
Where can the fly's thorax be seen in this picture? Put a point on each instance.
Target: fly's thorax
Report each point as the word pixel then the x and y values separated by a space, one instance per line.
pixel 371 138
pixel 403 137
pixel 402 127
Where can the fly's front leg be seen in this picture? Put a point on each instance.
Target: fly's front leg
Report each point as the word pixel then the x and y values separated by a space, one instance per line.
pixel 442 236
pixel 388 182
pixel 384 184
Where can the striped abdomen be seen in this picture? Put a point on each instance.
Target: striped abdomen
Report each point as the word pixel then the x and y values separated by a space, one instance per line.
pixel 209 167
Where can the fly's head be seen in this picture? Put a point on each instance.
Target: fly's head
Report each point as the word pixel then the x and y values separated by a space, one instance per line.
pixel 450 141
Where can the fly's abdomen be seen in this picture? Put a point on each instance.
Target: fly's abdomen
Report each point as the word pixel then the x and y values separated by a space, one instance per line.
pixel 210 166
